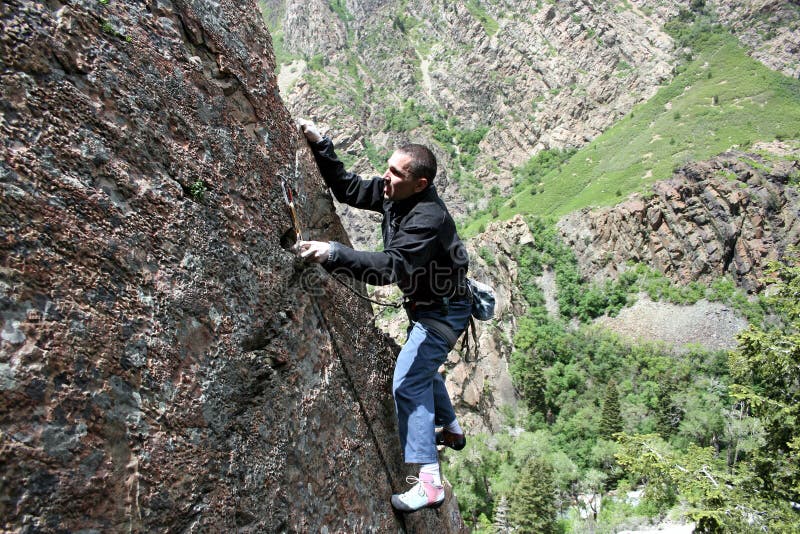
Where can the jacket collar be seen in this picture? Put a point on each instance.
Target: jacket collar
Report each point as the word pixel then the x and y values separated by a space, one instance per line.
pixel 406 204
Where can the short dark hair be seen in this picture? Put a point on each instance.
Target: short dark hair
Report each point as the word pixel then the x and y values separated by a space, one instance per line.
pixel 423 162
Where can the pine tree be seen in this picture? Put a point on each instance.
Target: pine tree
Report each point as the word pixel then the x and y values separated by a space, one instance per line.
pixel 532 509
pixel 611 421
pixel 501 524
pixel 668 416
pixel 767 376
pixel 529 378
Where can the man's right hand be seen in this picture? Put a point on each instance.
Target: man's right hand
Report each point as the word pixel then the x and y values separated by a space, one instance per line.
pixel 313 251
pixel 310 130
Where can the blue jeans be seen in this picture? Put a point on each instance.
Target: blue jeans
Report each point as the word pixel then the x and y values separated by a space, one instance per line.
pixel 420 397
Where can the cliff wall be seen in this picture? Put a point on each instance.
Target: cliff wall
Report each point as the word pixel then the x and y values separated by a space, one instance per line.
pixel 730 216
pixel 165 363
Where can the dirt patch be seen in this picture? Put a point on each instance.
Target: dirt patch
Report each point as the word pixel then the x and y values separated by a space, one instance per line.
pixel 709 324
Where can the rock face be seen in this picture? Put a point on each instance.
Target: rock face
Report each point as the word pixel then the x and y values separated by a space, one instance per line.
pixel 165 363
pixel 726 216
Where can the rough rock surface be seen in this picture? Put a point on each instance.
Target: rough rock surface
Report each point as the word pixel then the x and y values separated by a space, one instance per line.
pixel 726 216
pixel 165 363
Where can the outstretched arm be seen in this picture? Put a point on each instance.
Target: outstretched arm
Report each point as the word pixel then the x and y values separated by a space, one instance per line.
pixel 347 187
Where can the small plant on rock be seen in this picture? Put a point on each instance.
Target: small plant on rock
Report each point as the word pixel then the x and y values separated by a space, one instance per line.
pixel 198 190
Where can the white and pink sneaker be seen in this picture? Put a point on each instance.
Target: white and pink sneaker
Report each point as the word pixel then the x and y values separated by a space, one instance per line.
pixel 424 494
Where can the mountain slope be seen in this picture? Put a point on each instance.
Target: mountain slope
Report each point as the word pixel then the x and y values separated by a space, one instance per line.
pixel 522 76
pixel 721 99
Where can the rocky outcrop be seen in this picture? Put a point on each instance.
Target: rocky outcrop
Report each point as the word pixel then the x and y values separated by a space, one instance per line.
pixel 768 29
pixel 165 363
pixel 726 216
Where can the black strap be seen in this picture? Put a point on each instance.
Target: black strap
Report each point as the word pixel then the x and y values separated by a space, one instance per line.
pixel 465 342
pixel 396 304
pixel 441 328
pixel 451 336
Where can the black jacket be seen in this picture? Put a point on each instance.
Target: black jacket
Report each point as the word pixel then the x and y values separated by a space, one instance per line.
pixel 422 252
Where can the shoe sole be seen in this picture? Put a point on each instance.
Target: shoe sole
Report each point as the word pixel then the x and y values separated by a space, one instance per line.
pixel 407 510
pixel 456 447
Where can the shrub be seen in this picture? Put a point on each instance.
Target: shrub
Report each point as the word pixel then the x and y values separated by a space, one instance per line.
pixel 488 256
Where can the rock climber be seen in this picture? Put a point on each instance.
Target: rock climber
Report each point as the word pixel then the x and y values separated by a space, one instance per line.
pixel 424 256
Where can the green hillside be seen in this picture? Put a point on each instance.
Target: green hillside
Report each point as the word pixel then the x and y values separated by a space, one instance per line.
pixel 721 98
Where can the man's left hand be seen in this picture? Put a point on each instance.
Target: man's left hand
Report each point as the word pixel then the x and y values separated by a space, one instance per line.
pixel 314 251
pixel 310 130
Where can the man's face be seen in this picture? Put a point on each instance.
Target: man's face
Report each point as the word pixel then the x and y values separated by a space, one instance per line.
pixel 398 184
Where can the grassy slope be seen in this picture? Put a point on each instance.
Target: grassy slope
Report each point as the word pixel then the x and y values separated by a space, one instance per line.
pixel 722 98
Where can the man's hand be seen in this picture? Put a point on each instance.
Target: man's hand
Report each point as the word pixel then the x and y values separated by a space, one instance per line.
pixel 315 251
pixel 310 130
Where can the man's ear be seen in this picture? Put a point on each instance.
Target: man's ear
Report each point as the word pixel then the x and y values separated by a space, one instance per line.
pixel 421 184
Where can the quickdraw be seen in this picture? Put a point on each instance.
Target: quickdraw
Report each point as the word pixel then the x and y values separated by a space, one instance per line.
pixel 288 196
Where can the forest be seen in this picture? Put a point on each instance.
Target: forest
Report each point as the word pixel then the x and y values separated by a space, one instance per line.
pixel 616 434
